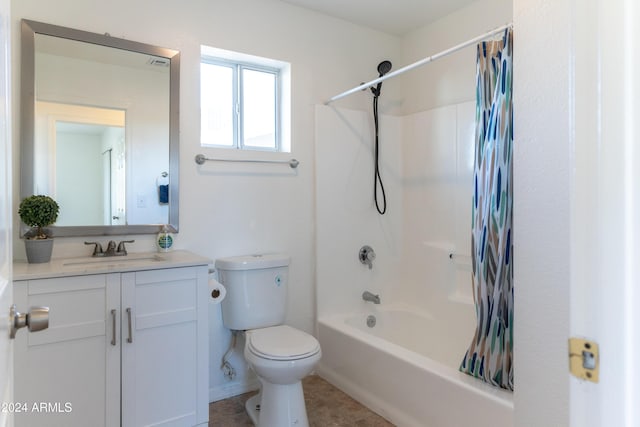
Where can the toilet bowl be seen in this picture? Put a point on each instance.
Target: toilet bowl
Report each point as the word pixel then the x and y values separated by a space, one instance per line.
pixel 281 357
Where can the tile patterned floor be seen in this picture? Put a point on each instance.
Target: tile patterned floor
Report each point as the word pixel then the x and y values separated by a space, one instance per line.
pixel 326 407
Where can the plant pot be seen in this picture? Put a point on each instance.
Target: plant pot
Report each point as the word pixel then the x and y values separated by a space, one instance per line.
pixel 38 250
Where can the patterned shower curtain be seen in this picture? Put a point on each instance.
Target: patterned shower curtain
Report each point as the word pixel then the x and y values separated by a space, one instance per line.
pixel 490 355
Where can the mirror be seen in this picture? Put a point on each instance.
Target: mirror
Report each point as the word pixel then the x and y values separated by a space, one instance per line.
pixel 99 130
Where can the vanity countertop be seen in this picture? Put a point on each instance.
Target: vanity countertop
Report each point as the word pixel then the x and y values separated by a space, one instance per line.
pixel 62 267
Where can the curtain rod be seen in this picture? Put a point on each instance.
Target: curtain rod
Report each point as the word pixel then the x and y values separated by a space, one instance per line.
pixel 420 63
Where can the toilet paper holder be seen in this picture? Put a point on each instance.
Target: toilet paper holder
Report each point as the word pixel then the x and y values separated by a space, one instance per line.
pixel 217 291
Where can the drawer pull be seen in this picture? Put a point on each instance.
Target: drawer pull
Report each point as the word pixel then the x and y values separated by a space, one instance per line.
pixel 130 337
pixel 113 326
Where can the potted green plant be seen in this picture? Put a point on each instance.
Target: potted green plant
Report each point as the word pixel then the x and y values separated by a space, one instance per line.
pixel 38 212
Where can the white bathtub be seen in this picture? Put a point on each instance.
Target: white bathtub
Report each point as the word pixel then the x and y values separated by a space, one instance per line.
pixel 403 369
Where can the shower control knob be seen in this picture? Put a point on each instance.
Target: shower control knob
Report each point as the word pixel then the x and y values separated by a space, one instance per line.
pixel 367 255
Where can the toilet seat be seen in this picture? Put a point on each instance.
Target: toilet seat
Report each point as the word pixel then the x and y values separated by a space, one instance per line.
pixel 282 343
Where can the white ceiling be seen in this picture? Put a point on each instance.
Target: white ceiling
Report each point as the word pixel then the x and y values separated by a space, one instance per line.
pixel 396 17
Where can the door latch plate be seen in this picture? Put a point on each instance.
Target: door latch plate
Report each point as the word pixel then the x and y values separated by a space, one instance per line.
pixel 584 359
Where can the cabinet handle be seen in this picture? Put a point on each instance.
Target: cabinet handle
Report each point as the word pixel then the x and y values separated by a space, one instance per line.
pixel 113 326
pixel 130 338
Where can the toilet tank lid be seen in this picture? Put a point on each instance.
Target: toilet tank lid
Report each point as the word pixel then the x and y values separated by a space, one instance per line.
pixel 252 262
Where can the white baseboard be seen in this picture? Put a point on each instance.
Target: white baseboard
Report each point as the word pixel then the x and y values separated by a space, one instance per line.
pixel 232 389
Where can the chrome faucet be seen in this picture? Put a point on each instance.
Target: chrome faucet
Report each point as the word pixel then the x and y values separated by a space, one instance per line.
pixel 368 296
pixel 111 250
pixel 122 250
pixel 97 249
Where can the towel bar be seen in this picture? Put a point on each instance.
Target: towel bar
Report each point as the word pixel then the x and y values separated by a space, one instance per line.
pixel 200 159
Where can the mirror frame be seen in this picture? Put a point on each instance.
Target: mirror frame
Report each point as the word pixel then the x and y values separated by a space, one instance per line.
pixel 29 30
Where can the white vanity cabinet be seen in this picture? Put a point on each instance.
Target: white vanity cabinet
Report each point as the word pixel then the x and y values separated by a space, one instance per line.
pixel 160 335
pixel 71 362
pixel 127 344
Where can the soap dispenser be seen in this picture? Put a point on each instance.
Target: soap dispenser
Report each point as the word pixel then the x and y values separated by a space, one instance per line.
pixel 164 240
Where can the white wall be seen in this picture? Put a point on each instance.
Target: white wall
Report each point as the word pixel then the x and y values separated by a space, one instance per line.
pixel 437 190
pixel 6 206
pixel 449 80
pixel 605 217
pixel 542 177
pixel 346 215
pixel 234 209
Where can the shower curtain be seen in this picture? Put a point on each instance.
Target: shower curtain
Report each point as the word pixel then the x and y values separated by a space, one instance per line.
pixel 490 355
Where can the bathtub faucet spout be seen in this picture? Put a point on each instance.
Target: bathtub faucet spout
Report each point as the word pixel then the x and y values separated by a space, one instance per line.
pixel 368 296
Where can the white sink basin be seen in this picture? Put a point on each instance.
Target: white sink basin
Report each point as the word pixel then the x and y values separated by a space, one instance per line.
pixel 111 260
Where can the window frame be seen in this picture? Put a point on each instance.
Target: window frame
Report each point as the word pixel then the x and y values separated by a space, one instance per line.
pixel 237 106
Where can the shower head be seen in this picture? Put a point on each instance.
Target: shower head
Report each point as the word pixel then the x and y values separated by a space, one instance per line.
pixel 384 67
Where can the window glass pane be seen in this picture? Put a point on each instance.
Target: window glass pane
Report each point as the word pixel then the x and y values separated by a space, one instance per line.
pixel 216 105
pixel 259 107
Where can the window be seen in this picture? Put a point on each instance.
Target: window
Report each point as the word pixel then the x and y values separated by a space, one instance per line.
pixel 242 101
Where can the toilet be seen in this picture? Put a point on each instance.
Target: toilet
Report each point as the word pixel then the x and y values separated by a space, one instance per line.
pixel 281 356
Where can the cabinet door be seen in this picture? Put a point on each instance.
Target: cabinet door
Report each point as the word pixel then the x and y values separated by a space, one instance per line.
pixel 160 360
pixel 68 374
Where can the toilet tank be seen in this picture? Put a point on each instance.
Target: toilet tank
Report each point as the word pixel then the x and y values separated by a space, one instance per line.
pixel 256 290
